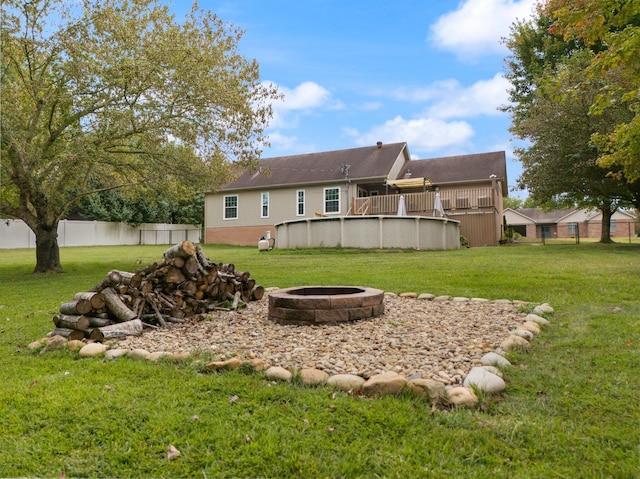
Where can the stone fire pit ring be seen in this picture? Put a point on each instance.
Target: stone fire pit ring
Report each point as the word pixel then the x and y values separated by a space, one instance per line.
pixel 308 305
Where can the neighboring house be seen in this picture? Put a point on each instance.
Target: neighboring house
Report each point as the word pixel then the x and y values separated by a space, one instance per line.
pixel 568 223
pixel 360 181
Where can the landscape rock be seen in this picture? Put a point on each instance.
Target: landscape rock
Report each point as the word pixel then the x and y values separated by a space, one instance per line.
pixel 257 364
pixel 531 326
pixel 409 295
pixel 484 380
pixel 75 345
pixel 346 382
pixel 524 333
pixel 35 345
pixel 180 356
pixel 493 370
pixel 384 384
pixel 427 388
pixel 54 343
pixel 139 353
pixel 313 376
pixel 543 308
pixel 514 341
pixel 92 349
pixel 232 363
pixel 157 355
pixel 462 396
pixel 426 296
pixel 494 359
pixel 536 319
pixel 278 373
pixel 115 353
pixel 442 298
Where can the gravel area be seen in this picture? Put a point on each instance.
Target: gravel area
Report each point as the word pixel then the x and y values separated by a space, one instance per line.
pixel 439 339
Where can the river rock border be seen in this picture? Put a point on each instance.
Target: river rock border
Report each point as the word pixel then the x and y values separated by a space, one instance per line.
pixel 486 376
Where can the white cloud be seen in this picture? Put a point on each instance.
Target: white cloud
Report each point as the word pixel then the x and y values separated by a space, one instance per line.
pixel 477 26
pixel 305 96
pixel 449 99
pixel 304 99
pixel 482 98
pixel 422 134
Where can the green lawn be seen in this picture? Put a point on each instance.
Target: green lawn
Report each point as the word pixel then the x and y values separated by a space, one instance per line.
pixel 571 408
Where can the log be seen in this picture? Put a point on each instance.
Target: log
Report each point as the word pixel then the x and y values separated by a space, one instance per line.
pixel 178 262
pixel 126 278
pixel 71 322
pixel 96 299
pixel 182 250
pixel 70 334
pixel 119 330
pixel 95 322
pixel 236 300
pixel 158 315
pixel 202 258
pixel 191 266
pixel 94 334
pixel 76 307
pixel 257 293
pixel 174 275
pixel 116 307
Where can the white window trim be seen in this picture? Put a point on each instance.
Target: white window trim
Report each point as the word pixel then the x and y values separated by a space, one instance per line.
pixel 262 205
pixel 304 201
pixel 224 207
pixel 324 200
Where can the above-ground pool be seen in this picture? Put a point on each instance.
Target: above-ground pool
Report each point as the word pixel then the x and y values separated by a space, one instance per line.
pixel 373 232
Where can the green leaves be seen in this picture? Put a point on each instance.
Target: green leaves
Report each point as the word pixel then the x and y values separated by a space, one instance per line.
pixel 122 94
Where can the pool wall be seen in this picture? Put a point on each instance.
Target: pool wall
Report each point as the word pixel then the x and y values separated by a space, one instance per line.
pixel 383 231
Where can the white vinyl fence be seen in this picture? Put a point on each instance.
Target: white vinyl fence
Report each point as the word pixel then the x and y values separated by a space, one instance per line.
pixel 16 234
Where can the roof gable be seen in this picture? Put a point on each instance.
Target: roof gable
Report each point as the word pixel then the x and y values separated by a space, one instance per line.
pixel 460 169
pixel 323 167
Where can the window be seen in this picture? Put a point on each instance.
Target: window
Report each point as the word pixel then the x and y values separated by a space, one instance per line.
pixel 572 228
pixel 332 200
pixel 231 207
pixel 264 202
pixel 612 226
pixel 300 203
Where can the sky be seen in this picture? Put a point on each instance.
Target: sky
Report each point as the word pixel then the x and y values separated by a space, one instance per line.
pixel 354 72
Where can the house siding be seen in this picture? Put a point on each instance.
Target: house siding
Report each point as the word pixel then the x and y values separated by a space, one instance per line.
pixel 250 225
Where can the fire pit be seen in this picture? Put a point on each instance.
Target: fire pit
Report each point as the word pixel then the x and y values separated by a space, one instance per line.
pixel 324 304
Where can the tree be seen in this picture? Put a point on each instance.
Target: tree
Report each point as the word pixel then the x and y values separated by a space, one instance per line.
pixel 120 95
pixel 614 26
pixel 552 110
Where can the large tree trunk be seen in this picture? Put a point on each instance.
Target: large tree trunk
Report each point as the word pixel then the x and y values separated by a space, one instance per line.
pixel 47 249
pixel 605 234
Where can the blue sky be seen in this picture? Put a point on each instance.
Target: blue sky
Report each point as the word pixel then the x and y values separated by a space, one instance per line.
pixel 428 72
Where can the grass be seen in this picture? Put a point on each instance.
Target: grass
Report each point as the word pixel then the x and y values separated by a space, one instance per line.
pixel 571 409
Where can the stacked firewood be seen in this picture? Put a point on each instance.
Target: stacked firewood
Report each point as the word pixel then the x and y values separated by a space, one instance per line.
pixel 184 283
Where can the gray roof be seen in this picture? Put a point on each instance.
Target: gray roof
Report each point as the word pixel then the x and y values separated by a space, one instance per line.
pixel 460 169
pixel 366 162
pixel 541 216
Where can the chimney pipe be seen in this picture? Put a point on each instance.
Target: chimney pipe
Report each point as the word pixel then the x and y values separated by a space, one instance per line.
pixel 379 144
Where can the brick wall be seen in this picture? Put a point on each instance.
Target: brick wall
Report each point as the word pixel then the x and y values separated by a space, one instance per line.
pixel 238 235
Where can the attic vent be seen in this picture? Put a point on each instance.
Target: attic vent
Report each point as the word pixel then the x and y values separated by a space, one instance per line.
pixel 379 144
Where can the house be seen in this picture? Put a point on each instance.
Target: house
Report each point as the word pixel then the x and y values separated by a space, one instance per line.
pixel 567 223
pixel 360 181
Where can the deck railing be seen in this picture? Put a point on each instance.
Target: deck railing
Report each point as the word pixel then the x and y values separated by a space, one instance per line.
pixel 422 203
